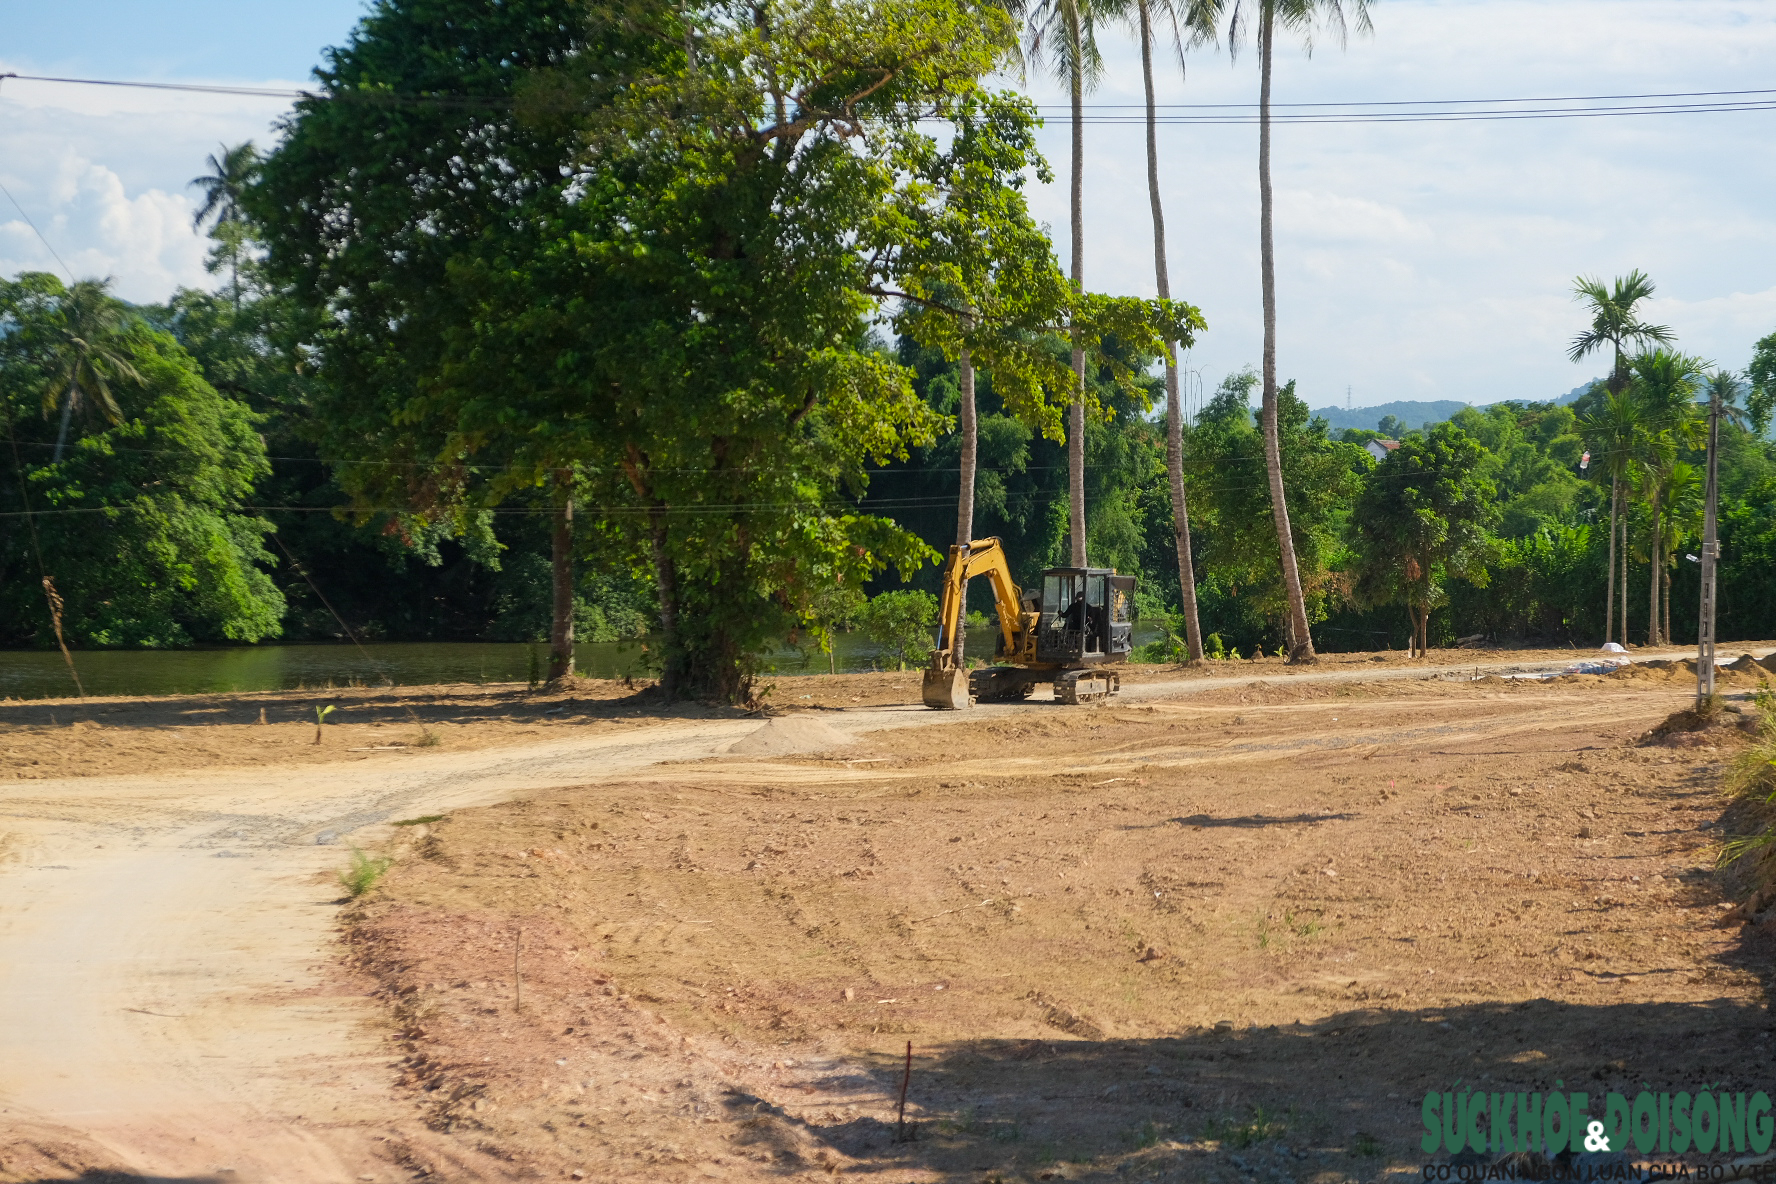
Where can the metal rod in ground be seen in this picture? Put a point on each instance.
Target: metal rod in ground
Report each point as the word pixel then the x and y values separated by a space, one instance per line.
pixel 1710 554
pixel 905 1080
pixel 517 974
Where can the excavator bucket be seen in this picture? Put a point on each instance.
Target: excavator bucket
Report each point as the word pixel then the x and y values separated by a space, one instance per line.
pixel 946 688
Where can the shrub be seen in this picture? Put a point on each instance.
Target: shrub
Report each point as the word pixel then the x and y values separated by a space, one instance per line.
pixel 901 623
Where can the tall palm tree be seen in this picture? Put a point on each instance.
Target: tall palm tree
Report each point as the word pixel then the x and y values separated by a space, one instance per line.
pixel 1201 18
pixel 85 352
pixel 1301 17
pixel 223 187
pixel 1614 433
pixel 1063 35
pixel 1666 383
pixel 1615 324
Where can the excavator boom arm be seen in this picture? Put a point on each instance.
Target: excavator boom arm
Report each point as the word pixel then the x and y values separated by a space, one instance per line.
pixel 983 557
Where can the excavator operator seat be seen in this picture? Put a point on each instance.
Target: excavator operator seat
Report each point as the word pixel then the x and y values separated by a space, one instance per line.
pixel 1083 618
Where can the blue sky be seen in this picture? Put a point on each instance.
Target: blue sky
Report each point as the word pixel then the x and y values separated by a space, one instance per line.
pixel 235 40
pixel 1415 261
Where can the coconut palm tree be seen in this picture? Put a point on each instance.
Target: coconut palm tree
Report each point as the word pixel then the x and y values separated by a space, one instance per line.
pixel 1303 18
pixel 223 187
pixel 1666 383
pixel 1197 23
pixel 1615 324
pixel 85 351
pixel 1063 35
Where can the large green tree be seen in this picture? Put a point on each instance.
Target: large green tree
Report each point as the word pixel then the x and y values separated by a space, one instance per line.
pixel 650 277
pixel 423 153
pixel 1421 520
pixel 1245 588
pixel 142 523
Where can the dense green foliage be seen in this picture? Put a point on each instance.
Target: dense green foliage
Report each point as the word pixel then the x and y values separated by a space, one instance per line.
pixel 1420 521
pixel 142 524
pixel 647 281
pixel 668 304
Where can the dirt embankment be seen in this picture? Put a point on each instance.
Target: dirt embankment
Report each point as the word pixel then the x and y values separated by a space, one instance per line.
pixel 1236 933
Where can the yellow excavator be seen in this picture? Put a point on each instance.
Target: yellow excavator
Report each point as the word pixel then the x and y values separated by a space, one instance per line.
pixel 1073 633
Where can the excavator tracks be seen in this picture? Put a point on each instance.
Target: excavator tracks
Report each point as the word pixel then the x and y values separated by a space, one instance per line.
pixel 1086 686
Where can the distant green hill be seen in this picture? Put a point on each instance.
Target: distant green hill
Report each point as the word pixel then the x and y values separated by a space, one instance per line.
pixel 1409 412
pixel 1412 414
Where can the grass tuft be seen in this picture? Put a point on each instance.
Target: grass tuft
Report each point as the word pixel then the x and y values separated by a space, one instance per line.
pixel 421 821
pixel 1260 1128
pixel 365 872
pixel 1753 775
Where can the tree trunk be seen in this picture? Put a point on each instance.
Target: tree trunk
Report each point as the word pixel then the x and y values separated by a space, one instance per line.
pixel 1609 581
pixel 67 414
pixel 1665 600
pixel 666 588
pixel 561 622
pixel 1300 640
pixel 1076 416
pixel 1624 585
pixel 1653 569
pixel 1174 412
pixel 965 501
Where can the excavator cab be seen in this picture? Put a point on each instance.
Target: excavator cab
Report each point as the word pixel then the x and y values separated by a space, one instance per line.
pixel 1086 616
pixel 1080 619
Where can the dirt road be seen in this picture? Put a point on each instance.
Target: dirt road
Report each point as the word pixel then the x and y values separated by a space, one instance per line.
pixel 167 984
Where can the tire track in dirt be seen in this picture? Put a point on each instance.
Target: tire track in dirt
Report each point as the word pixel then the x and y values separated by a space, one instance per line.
pixel 165 950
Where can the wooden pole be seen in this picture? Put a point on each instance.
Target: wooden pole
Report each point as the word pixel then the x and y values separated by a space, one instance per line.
pixel 1710 556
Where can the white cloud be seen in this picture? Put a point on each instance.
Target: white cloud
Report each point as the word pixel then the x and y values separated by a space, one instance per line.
pixel 103 174
pixel 1435 260
pixel 1424 260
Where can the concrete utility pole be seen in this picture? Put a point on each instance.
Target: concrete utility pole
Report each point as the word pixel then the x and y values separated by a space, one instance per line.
pixel 1710 556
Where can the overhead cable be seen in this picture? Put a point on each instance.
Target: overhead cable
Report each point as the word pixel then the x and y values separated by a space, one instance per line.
pixel 1205 114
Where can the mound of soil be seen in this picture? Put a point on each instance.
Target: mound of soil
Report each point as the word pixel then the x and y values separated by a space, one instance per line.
pixel 1742 673
pixel 788 734
pixel 1696 729
pixel 1746 664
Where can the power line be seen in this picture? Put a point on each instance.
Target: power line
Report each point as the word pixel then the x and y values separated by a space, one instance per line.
pixel 1204 114
pixel 1680 94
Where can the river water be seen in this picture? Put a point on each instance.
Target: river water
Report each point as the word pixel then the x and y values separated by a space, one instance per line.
pixel 34 674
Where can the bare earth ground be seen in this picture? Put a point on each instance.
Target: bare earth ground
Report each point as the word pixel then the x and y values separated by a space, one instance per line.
pixel 1222 932
pixel 181 733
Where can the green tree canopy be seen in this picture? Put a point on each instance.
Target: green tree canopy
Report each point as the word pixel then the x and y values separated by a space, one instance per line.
pixel 141 524
pixel 657 268
pixel 1421 519
pixel 1230 503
